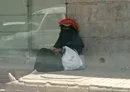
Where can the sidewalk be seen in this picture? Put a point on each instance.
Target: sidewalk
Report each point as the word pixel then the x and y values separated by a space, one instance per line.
pixel 65 81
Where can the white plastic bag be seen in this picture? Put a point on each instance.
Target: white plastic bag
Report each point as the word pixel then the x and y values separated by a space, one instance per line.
pixel 71 59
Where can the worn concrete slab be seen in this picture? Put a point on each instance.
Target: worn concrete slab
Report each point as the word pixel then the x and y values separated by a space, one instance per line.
pixel 67 83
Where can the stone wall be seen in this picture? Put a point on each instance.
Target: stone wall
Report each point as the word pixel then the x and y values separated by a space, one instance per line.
pixel 104 28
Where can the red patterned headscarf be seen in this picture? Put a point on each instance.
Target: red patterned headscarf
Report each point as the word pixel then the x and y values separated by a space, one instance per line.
pixel 69 21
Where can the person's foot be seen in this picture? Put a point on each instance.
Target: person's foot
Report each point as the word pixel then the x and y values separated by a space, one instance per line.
pixel 11 77
pixel 35 71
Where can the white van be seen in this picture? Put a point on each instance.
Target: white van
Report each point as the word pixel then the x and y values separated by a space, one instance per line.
pixel 44 33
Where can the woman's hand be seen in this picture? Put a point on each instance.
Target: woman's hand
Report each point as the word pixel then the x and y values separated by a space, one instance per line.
pixel 57 50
